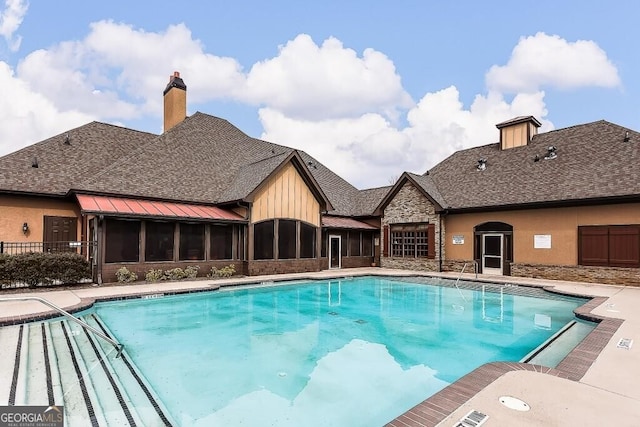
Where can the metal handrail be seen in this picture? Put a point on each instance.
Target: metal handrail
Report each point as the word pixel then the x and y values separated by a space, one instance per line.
pixel 475 270
pixel 118 346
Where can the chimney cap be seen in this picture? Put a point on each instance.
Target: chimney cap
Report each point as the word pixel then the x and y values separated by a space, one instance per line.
pixel 175 81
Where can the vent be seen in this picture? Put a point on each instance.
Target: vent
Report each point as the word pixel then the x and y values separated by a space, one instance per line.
pixel 472 419
pixel 551 153
pixel 627 138
pixel 625 343
pixel 482 164
pixel 34 162
pixel 67 140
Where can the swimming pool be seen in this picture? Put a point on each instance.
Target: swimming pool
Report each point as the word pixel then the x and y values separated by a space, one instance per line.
pixel 357 351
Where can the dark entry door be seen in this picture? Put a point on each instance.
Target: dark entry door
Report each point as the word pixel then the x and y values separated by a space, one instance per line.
pixel 58 232
pixel 335 249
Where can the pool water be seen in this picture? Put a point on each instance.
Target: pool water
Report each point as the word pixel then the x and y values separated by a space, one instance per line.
pixel 352 352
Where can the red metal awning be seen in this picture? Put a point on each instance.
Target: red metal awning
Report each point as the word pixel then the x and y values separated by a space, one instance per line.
pixel 118 206
pixel 343 222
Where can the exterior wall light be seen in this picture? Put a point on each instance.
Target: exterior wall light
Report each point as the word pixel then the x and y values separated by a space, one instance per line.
pixel 25 228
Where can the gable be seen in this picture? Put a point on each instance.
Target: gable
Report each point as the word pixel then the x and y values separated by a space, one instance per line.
pixel 285 194
pixel 409 204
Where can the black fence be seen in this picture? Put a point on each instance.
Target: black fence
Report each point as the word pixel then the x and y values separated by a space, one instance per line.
pixel 79 247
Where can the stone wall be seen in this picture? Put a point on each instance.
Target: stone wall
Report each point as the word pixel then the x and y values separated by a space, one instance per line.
pixel 580 273
pixel 261 267
pixel 410 205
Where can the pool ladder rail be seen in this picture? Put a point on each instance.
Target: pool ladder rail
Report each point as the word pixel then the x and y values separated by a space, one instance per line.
pixel 475 269
pixel 118 346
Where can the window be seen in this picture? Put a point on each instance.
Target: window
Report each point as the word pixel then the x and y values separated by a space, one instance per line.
pixel 221 242
pixel 263 240
pixel 307 240
pixel 287 239
pixel 354 243
pixel 412 240
pixel 344 236
pixel 158 241
pixel 191 241
pixel 609 246
pixel 325 241
pixel 122 241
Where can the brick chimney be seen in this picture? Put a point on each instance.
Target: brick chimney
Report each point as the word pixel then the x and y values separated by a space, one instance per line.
pixel 175 101
pixel 517 131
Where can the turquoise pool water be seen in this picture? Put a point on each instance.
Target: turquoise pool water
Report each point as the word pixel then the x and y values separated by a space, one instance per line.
pixel 352 352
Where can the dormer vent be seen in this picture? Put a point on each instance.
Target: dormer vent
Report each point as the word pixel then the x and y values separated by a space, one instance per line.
pixel 518 131
pixel 67 140
pixel 627 138
pixel 551 153
pixel 34 162
pixel 536 158
pixel 482 164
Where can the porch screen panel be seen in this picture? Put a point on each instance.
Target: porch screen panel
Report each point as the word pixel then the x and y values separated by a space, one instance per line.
pixel 122 241
pixel 307 240
pixel 354 243
pixel 159 241
pixel 191 241
pixel 367 243
pixel 263 235
pixel 221 241
pixel 287 239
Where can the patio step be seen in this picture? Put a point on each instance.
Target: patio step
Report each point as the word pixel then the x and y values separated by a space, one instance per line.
pixel 61 363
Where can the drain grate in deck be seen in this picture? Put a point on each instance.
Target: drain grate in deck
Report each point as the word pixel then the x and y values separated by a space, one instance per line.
pixel 472 419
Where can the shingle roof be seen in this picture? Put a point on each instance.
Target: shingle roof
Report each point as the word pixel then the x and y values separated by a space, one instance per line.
pixel 371 198
pixel 204 159
pixel 64 162
pixel 427 185
pixel 593 162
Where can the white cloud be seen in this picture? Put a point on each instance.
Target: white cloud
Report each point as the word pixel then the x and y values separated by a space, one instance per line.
pixel 308 81
pixel 544 60
pixel 28 116
pixel 337 105
pixel 10 19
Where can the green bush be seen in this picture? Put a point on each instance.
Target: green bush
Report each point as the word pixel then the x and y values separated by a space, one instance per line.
pixel 191 272
pixel 41 269
pixel 175 274
pixel 125 276
pixel 227 271
pixel 154 275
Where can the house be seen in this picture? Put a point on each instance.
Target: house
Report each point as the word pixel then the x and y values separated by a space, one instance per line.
pixel 558 205
pixel 201 193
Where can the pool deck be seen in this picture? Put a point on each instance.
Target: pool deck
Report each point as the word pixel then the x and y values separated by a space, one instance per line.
pixel 594 386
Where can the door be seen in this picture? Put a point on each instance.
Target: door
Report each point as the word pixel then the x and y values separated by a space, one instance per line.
pixel 58 232
pixel 335 249
pixel 492 253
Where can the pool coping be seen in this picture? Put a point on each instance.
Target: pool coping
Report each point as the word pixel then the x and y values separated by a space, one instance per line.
pixel 441 405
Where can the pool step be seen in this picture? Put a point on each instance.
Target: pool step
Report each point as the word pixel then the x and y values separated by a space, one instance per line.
pixel 60 363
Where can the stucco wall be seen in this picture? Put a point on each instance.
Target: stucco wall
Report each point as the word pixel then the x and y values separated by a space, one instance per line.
pixel 410 205
pixel 561 223
pixel 16 210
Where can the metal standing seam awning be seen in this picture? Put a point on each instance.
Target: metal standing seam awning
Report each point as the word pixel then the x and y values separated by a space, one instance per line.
pixel 344 222
pixel 119 206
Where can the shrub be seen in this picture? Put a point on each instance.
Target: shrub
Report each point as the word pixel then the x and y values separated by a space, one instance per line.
pixel 38 268
pixel 227 271
pixel 154 275
pixel 191 272
pixel 175 274
pixel 125 276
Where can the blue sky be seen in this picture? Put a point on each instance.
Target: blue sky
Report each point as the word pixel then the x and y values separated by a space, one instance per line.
pixel 371 88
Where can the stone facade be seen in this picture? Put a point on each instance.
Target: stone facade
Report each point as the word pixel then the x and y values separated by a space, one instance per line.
pixel 262 267
pixel 410 205
pixel 579 273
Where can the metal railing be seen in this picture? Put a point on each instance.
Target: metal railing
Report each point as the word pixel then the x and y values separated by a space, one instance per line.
pixel 475 269
pixel 118 346
pixel 13 248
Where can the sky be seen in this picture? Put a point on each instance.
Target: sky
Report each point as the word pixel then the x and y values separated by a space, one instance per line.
pixel 369 88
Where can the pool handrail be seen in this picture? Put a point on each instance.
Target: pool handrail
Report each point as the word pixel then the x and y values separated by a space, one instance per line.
pixel 475 269
pixel 118 346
